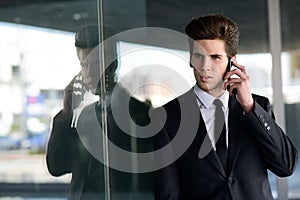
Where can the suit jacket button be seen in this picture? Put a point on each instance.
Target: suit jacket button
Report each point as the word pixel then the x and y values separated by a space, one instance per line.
pixel 268 128
pixel 230 180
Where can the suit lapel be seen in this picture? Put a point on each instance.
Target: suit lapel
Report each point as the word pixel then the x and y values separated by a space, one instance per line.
pixel 203 141
pixel 212 157
pixel 206 150
pixel 234 124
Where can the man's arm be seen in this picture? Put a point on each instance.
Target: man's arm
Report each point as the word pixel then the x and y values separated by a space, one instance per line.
pixel 61 147
pixel 167 184
pixel 277 149
pixel 63 142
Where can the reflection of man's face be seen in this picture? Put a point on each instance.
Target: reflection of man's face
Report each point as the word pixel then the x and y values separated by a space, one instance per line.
pixel 90 69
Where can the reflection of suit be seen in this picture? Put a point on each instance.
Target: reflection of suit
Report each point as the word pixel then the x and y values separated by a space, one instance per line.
pixel 67 153
pixel 256 144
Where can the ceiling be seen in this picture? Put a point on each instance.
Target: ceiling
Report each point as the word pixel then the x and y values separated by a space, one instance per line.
pixel 68 15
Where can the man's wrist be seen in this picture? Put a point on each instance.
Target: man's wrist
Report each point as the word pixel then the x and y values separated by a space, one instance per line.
pixel 248 108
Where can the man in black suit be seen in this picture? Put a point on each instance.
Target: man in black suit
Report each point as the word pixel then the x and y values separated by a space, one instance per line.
pixel 232 151
pixel 76 142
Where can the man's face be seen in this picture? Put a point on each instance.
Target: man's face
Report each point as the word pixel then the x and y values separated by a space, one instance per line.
pixel 90 69
pixel 209 61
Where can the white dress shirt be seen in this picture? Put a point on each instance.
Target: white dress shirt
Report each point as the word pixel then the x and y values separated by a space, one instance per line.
pixel 207 109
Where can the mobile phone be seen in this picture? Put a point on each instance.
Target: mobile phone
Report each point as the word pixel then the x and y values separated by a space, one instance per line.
pixel 228 68
pixel 229 65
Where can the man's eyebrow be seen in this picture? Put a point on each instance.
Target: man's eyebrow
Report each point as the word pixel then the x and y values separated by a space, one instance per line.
pixel 216 55
pixel 211 55
pixel 197 53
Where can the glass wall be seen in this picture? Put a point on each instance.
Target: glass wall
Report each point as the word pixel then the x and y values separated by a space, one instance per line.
pixel 39 60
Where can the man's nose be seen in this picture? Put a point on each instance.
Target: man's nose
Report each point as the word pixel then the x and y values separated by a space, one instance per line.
pixel 205 64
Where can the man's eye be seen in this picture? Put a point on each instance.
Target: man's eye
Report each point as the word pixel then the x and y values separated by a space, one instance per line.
pixel 196 55
pixel 215 57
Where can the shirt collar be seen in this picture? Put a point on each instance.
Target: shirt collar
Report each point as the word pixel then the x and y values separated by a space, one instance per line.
pixel 207 100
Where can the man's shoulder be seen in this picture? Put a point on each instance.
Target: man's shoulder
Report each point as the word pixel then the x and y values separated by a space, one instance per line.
pixel 88 112
pixel 187 98
pixel 139 111
pixel 257 96
pixel 90 107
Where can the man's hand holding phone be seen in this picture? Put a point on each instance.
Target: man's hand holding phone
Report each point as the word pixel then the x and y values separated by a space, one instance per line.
pixel 237 79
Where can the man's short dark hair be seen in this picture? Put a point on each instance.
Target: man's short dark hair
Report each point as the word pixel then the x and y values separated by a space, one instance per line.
pixel 87 37
pixel 214 26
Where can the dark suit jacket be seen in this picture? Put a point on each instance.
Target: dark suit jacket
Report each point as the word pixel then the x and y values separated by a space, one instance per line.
pixel 256 144
pixel 66 153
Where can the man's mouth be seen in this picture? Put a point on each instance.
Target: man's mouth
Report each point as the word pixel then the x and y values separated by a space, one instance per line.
pixel 205 78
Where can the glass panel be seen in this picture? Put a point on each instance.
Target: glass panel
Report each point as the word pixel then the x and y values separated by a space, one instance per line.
pixel 32 79
pixel 38 61
pixel 135 58
pixel 291 81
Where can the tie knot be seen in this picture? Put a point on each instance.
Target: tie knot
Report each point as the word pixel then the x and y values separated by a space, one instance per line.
pixel 218 103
